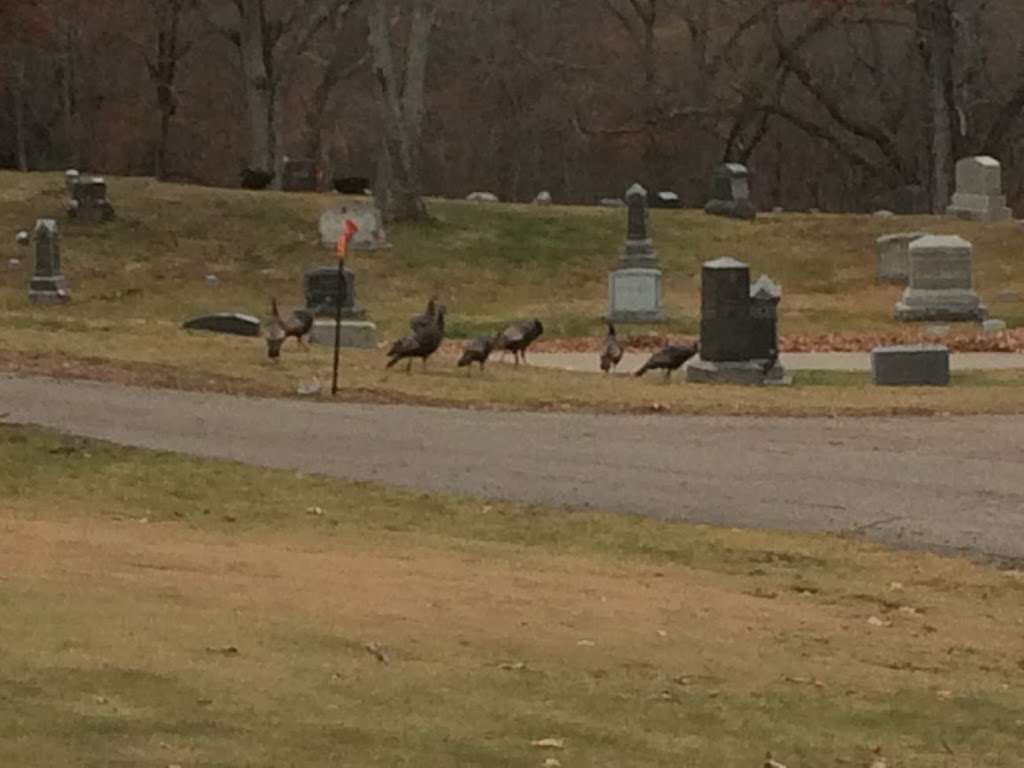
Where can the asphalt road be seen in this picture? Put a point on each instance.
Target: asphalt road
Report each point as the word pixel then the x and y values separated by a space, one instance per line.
pixel 941 484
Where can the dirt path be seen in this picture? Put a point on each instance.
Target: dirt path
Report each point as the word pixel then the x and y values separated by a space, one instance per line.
pixel 955 483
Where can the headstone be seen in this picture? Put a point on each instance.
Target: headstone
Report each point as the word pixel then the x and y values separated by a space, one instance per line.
pixel 765 296
pixel 320 287
pixel 612 202
pixel 883 214
pixel 893 251
pixel 357 334
pixel 299 175
pixel 23 238
pixel 738 327
pixel 90 202
pixel 730 192
pixel 916 366
pixel 232 323
pixel 212 280
pixel 634 288
pixel 993 326
pixel 667 200
pixel 369 237
pixel 482 197
pixel 48 285
pixel 13 263
pixel 71 178
pixel 542 198
pixel 979 190
pixel 941 282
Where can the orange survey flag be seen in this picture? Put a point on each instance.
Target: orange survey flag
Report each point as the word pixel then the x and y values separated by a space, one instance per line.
pixel 341 247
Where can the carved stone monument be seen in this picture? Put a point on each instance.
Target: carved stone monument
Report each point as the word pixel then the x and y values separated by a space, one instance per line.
pixel 634 289
pixel 90 201
pixel 48 285
pixel 979 190
pixel 321 290
pixel 738 327
pixel 893 251
pixel 915 366
pixel 941 283
pixel 730 192
pixel 369 237
pixel 71 178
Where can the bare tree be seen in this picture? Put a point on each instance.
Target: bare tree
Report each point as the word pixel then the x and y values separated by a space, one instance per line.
pixel 400 69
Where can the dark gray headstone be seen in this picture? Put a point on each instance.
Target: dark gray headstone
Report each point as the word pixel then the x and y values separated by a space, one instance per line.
pixel 918 366
pixel 90 202
pixel 730 192
pixel 320 287
pixel 299 175
pixel 764 318
pixel 638 251
pixel 48 285
pixel 71 178
pixel 725 321
pixel 225 322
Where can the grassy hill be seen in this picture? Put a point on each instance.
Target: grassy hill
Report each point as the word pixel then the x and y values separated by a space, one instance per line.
pixel 489 263
pixel 134 281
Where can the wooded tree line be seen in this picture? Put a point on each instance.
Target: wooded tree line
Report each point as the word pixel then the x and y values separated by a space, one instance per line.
pixel 834 104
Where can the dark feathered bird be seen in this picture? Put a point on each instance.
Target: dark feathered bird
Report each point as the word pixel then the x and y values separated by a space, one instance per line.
pixel 518 337
pixel 477 351
pixel 421 343
pixel 278 330
pixel 420 322
pixel 768 364
pixel 669 359
pixel 611 350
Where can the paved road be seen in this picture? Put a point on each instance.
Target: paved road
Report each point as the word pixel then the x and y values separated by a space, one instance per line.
pixel 793 361
pixel 955 483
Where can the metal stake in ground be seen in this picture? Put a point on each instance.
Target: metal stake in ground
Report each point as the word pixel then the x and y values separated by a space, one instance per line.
pixel 341 248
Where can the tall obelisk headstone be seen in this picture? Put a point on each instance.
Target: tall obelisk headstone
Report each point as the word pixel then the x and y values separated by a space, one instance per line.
pixel 48 285
pixel 634 288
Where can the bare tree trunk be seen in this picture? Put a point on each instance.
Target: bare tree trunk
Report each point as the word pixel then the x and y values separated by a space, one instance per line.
pixel 259 86
pixel 69 99
pixel 938 43
pixel 399 185
pixel 18 97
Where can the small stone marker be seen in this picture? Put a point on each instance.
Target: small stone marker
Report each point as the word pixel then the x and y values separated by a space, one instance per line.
pixel 993 326
pixel 893 252
pixel 667 199
pixel 90 202
pixel 738 327
pixel 48 285
pixel 634 289
pixel 71 178
pixel 730 192
pixel 542 198
pixel 232 323
pixel 979 190
pixel 369 237
pixel 941 284
pixel 358 334
pixel 910 366
pixel 482 197
pixel 299 175
pixel 23 238
pixel 612 202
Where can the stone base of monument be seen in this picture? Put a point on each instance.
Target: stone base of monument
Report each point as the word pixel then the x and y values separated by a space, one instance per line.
pixel 910 366
pixel 951 305
pixel 747 373
pixel 355 334
pixel 48 290
pixel 733 209
pixel 979 207
pixel 634 296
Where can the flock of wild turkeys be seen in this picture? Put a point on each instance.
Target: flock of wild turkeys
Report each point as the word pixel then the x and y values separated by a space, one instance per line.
pixel 426 332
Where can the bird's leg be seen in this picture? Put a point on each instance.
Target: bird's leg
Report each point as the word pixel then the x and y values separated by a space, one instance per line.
pixel 408 368
pixel 668 375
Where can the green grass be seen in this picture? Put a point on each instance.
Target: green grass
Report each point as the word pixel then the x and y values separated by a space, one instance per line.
pixel 709 646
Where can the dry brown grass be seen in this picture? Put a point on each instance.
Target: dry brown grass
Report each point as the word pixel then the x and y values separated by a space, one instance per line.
pixel 639 643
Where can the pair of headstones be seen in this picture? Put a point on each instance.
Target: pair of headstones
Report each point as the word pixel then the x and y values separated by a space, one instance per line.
pixel 730 193
pixel 87 197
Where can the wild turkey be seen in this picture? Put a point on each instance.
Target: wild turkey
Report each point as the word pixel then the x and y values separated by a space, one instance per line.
pixel 611 350
pixel 422 343
pixel 278 330
pixel 669 359
pixel 419 322
pixel 768 364
pixel 477 351
pixel 518 337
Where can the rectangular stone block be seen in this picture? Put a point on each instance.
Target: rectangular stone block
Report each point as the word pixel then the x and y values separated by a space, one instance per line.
pixel 910 366
pixel 893 252
pixel 355 334
pixel 634 296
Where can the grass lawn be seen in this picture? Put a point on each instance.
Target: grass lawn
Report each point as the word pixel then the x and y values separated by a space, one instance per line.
pixel 136 279
pixel 157 610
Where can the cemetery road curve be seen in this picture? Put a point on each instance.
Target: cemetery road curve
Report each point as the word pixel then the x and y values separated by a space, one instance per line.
pixel 942 484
